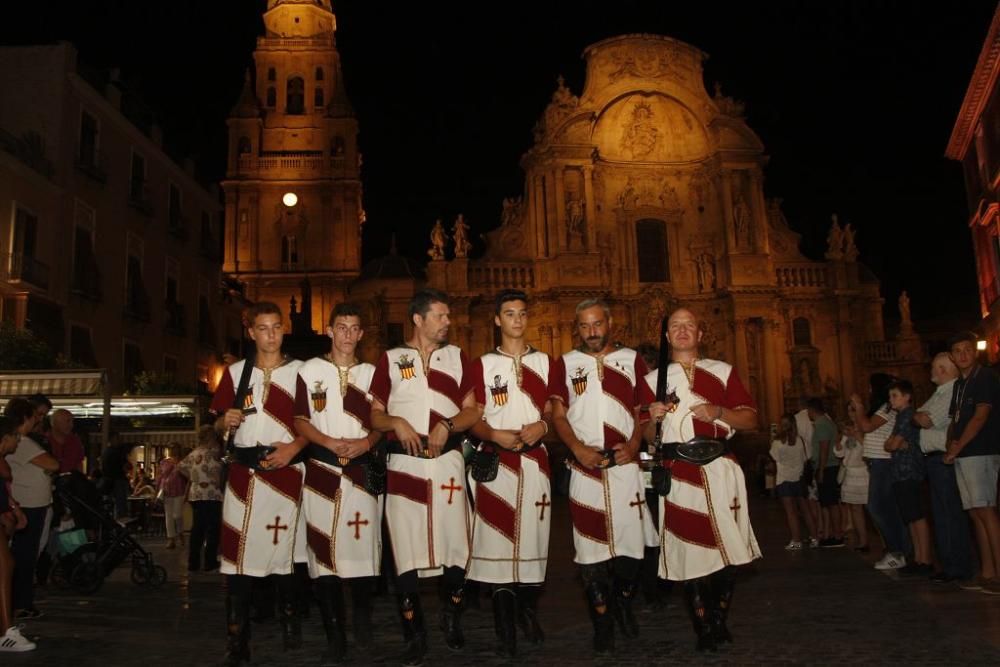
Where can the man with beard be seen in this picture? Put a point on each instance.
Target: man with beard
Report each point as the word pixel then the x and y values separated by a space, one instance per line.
pixel 341 516
pixel 422 400
pixel 704 525
pixel 596 414
pixel 261 505
pixel 510 537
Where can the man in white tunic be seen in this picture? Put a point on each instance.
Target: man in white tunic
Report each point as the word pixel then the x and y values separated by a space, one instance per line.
pixel 595 411
pixel 510 535
pixel 260 509
pixel 341 517
pixel 704 524
pixel 422 400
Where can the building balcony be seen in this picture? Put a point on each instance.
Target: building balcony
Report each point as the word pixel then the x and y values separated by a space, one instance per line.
pixel 24 269
pixel 87 283
pixel 304 164
pixel 501 275
pixel 91 163
pixel 138 198
pixel 802 275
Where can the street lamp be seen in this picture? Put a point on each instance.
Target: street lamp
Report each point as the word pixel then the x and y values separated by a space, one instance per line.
pixel 290 199
pixel 981 345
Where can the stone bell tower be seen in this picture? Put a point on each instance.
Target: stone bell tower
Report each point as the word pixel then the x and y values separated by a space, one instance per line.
pixel 293 189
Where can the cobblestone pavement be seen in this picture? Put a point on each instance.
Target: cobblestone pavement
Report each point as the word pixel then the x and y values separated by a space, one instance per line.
pixel 817 607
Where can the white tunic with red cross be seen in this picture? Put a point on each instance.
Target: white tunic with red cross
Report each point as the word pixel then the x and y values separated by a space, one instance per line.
pixel 426 506
pixel 608 507
pixel 704 520
pixel 341 522
pixel 510 533
pixel 260 510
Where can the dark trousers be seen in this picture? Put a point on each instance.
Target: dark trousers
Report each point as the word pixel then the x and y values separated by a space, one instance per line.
pixel 884 510
pixel 24 548
pixel 205 527
pixel 951 523
pixel 119 492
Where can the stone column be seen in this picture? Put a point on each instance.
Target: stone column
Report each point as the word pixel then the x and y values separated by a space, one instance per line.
pixel 591 210
pixel 742 364
pixel 772 377
pixel 726 188
pixel 759 212
pixel 559 192
pixel 845 350
pixel 551 214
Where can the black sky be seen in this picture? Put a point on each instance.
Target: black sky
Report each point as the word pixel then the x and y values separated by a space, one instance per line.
pixel 854 101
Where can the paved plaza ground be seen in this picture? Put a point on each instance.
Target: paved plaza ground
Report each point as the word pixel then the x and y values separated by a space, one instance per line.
pixel 821 606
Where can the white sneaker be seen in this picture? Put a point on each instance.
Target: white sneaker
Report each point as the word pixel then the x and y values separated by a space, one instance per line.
pixel 793 546
pixel 14 642
pixel 891 561
pixel 813 543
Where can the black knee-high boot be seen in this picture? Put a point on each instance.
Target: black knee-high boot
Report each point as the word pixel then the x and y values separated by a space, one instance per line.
pixel 237 623
pixel 361 602
pixel 453 599
pixel 599 605
pixel 722 597
pixel 504 619
pixel 291 624
pixel 624 595
pixel 411 617
pixel 330 597
pixel 527 614
pixel 696 594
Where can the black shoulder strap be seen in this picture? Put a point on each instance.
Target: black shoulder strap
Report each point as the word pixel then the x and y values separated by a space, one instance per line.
pixel 241 393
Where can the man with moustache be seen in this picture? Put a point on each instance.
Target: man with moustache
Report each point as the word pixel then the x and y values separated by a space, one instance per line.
pixel 341 515
pixel 595 410
pixel 260 510
pixel 422 399
pixel 704 525
pixel 510 536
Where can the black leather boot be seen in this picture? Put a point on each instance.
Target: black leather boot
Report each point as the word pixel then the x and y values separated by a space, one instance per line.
pixel 624 616
pixel 599 604
pixel 527 614
pixel 504 617
pixel 237 630
pixel 330 598
pixel 451 619
pixel 411 617
pixel 361 597
pixel 722 597
pixel 291 624
pixel 696 593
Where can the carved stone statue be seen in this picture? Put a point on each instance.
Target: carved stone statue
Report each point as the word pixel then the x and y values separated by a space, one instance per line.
pixel 905 323
pixel 835 240
pixel 461 236
pixel 574 215
pixel 705 265
pixel 741 219
pixel 511 215
pixel 850 249
pixel 641 135
pixel 439 239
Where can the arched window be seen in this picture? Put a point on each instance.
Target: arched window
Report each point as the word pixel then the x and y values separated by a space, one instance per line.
pixel 651 247
pixel 318 97
pixel 801 331
pixel 245 146
pixel 271 74
pixel 296 93
pixel 271 97
pixel 289 251
pixel 319 73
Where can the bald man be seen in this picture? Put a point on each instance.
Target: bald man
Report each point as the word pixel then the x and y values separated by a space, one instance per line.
pixel 704 525
pixel 951 527
pixel 66 446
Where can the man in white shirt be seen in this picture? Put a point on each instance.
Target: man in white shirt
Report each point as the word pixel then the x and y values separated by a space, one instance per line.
pixel 951 527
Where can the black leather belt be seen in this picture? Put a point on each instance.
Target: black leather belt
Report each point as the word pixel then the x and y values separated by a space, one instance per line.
pixel 933 454
pixel 453 442
pixel 323 454
pixel 699 451
pixel 252 457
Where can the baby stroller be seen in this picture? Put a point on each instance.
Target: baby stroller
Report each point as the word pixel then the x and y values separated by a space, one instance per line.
pixel 104 544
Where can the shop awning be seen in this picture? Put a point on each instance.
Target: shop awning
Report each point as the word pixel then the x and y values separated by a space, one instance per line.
pixel 52 383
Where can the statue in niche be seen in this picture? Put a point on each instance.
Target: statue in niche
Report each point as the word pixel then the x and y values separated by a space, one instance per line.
pixel 461 235
pixel 835 240
pixel 805 375
pixel 705 265
pixel 741 219
pixel 641 135
pixel 439 239
pixel 629 198
pixel 574 215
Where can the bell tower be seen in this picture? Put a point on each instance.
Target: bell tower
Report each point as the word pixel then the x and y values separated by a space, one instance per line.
pixel 293 188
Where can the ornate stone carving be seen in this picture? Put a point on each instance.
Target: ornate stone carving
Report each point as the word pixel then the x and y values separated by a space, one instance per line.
pixel 646 62
pixel 742 220
pixel 513 209
pixel 461 236
pixel 575 215
pixel 705 269
pixel 641 135
pixel 649 192
pixel 439 239
pixel 835 240
pixel 563 103
pixel 727 105
pixel 850 249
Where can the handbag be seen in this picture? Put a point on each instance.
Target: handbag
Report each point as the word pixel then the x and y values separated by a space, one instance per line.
pixel 661 479
pixel 375 475
pixel 485 463
pixel 807 467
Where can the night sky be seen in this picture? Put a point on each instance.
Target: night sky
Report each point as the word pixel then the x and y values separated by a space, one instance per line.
pixel 854 102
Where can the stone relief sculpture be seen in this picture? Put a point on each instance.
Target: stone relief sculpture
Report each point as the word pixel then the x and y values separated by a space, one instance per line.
pixel 439 239
pixel 511 215
pixel 641 136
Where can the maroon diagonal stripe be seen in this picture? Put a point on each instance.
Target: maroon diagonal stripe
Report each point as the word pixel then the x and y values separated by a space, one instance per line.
pixel 229 541
pixel 445 385
pixel 239 481
pixel 541 457
pixel 589 522
pixel 495 511
pixel 618 385
pixel 287 481
pixel 535 387
pixel 408 486
pixel 321 480
pixel 357 475
pixel 281 406
pixel 688 525
pixel 687 472
pixel 509 459
pixel 319 544
pixel 594 473
pixel 356 403
pixel 708 386
pixel 613 437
